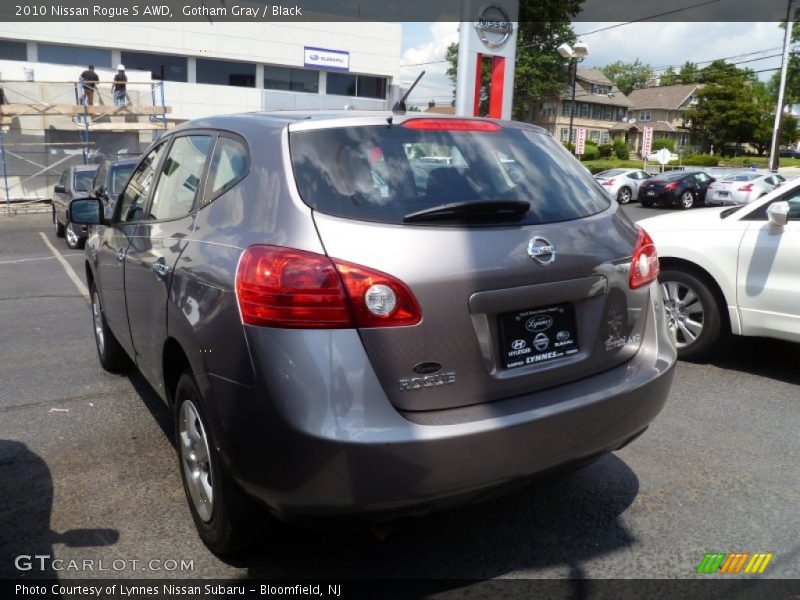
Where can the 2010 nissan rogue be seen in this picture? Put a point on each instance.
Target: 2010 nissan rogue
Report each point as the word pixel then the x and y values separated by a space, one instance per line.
pixel 371 313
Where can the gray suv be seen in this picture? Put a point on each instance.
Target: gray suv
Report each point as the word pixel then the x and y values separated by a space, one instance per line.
pixel 338 336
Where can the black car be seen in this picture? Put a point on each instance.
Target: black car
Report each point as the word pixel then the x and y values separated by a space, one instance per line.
pixel 109 180
pixel 75 182
pixel 677 188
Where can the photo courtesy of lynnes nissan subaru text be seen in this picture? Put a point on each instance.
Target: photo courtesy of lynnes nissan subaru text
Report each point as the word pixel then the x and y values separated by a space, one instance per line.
pixel 342 333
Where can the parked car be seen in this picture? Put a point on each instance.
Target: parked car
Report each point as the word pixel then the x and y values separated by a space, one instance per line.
pixel 333 347
pixel 731 270
pixel 622 184
pixel 75 182
pixel 676 188
pixel 789 152
pixel 741 188
pixel 653 157
pixel 111 177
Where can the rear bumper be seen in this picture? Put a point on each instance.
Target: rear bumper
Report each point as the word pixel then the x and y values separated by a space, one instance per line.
pixel 318 437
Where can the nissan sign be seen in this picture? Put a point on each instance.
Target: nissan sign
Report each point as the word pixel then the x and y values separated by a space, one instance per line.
pixel 493 26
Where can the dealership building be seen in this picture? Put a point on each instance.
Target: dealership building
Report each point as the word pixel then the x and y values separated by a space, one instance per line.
pixel 176 72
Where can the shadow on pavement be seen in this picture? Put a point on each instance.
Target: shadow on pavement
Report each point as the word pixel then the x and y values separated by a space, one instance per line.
pixel 774 359
pixel 26 500
pixel 560 523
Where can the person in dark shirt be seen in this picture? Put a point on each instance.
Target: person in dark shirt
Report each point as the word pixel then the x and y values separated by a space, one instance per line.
pixel 119 88
pixel 89 79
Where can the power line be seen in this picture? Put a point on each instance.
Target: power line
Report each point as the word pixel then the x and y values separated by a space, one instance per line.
pixel 669 12
pixel 430 62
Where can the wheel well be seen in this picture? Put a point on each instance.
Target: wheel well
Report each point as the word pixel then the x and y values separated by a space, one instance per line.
pixel 701 273
pixel 89 275
pixel 174 363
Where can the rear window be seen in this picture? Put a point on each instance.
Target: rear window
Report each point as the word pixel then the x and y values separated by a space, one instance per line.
pixel 742 177
pixel 119 176
pixel 612 173
pixel 383 173
pixel 83 180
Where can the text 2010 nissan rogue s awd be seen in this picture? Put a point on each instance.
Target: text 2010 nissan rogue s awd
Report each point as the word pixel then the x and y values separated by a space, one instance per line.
pixel 343 333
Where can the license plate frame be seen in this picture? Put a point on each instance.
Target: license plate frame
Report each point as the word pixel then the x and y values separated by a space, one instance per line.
pixel 537 335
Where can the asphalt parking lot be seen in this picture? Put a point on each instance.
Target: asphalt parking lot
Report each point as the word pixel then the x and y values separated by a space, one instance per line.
pixel 88 469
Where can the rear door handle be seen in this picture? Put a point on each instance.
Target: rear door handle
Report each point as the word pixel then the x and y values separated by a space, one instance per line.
pixel 160 270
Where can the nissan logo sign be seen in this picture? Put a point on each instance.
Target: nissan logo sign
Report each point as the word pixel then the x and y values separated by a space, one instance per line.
pixel 493 26
pixel 541 250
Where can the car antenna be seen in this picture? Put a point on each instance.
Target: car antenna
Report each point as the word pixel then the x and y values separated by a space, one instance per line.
pixel 399 107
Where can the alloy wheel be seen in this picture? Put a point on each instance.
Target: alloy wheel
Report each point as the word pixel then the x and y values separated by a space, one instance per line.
pixel 624 196
pixel 72 237
pixel 196 460
pixel 685 314
pixel 687 200
pixel 97 318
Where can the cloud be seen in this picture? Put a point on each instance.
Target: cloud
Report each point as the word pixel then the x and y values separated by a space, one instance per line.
pixel 435 85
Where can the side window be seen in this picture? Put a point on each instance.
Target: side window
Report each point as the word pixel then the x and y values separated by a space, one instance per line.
pixel 794 204
pixel 135 195
pixel 793 198
pixel 229 164
pixel 64 178
pixel 181 174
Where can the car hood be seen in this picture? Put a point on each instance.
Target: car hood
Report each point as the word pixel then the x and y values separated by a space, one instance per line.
pixel 697 219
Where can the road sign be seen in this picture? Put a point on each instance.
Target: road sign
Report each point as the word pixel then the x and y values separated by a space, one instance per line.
pixel 580 141
pixel 647 141
pixel 663 156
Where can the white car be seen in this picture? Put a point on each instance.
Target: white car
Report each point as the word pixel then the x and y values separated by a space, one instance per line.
pixel 731 270
pixel 622 184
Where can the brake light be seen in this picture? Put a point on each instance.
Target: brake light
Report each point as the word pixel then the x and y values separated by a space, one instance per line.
pixel 295 289
pixel 607 182
pixel 671 186
pixel 451 125
pixel 748 187
pixel 644 265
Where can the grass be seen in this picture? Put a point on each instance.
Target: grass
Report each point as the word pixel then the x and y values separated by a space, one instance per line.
pixel 603 164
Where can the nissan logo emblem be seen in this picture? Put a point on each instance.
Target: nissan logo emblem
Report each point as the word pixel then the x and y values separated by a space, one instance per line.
pixel 493 26
pixel 541 250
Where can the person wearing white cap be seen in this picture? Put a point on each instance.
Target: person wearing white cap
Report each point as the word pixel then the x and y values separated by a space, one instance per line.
pixel 119 86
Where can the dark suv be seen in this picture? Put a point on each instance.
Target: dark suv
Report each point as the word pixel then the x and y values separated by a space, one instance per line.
pixel 111 177
pixel 339 337
pixel 75 182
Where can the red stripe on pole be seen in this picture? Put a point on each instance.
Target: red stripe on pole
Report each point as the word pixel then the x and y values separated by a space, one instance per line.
pixel 496 92
pixel 476 109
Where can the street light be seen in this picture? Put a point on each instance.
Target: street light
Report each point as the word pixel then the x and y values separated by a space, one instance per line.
pixel 575 55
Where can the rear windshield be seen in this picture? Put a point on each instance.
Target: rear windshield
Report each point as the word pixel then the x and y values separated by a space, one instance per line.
pixel 119 176
pixel 742 177
pixel 612 173
pixel 83 180
pixel 671 175
pixel 383 173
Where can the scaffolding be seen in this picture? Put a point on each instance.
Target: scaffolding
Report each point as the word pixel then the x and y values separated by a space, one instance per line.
pixel 44 104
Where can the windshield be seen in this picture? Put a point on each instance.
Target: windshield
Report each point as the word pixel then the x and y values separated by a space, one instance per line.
pixel 119 176
pixel 384 173
pixel 83 180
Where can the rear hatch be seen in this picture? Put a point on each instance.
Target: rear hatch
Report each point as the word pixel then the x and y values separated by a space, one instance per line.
pixel 516 257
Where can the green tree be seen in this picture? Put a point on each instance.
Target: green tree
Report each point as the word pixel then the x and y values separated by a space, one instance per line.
pixel 540 72
pixel 689 73
pixel 727 110
pixel 628 76
pixel 668 77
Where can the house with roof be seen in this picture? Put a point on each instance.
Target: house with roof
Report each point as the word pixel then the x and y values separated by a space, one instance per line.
pixel 599 107
pixel 663 108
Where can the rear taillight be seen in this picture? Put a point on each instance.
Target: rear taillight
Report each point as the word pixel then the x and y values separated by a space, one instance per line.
pixel 644 265
pixel 294 289
pixel 451 125
pixel 607 182
pixel 671 186
pixel 748 187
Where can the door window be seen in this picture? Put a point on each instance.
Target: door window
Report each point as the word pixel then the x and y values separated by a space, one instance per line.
pixel 180 178
pixel 137 191
pixel 229 164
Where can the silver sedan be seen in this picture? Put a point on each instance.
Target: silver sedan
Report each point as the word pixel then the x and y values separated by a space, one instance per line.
pixel 622 184
pixel 741 188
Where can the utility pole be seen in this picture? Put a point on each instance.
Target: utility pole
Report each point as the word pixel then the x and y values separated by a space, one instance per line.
pixel 776 129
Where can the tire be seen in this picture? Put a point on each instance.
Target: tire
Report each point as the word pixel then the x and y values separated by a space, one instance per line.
pixel 624 195
pixel 74 241
pixel 112 356
pixel 692 312
pixel 687 200
pixel 223 515
pixel 57 227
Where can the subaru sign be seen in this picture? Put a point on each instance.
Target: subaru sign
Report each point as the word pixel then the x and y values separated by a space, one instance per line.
pixel 320 58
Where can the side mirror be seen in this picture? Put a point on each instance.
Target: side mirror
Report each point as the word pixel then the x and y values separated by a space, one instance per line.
pixel 778 213
pixel 86 211
pixel 59 189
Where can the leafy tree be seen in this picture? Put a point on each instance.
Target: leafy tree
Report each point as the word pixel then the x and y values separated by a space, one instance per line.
pixel 689 73
pixel 540 72
pixel 628 76
pixel 668 77
pixel 660 143
pixel 727 110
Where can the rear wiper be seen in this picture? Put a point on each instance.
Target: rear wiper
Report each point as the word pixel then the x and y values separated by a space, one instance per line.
pixel 497 209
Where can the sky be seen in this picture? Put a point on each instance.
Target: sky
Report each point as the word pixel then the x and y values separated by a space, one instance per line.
pixel 659 44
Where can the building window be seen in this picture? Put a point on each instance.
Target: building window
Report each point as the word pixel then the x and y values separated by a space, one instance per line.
pixel 291 80
pixel 13 50
pixel 565 109
pixel 621 112
pixel 564 134
pixel 161 66
pixel 74 55
pixel 585 111
pixel 594 135
pixel 547 109
pixel 601 89
pixel 644 115
pixel 362 86
pixel 225 72
pixel 608 113
pixel 604 137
